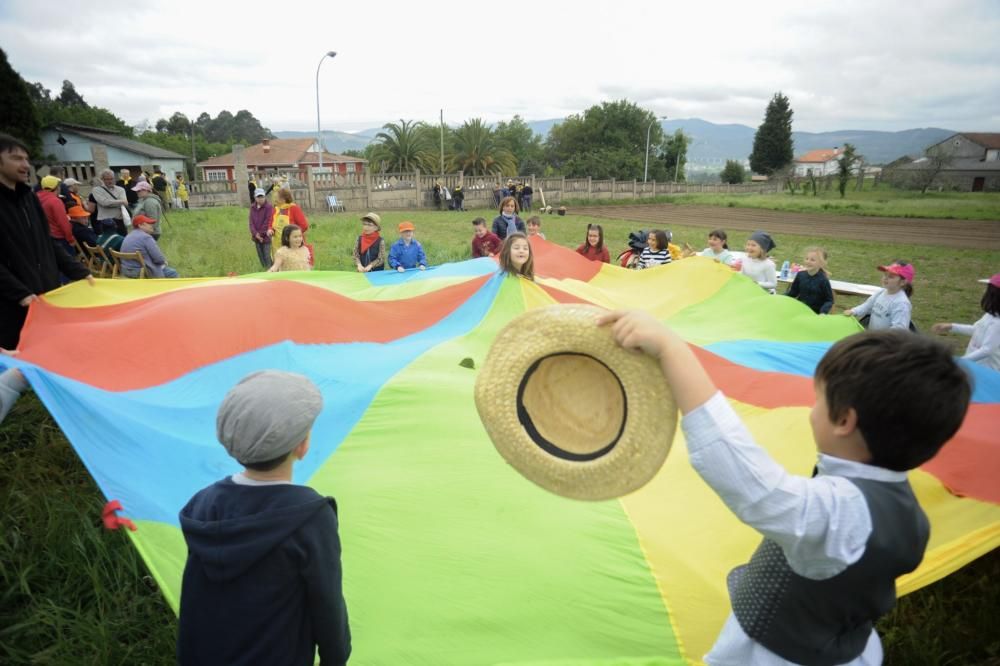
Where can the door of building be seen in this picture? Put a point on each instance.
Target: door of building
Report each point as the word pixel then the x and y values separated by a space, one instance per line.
pixel 978 183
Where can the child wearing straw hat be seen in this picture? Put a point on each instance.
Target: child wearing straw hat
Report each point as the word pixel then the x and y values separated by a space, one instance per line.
pixel 262 582
pixel 834 543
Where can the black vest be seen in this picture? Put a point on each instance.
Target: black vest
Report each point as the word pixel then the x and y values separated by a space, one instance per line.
pixel 371 254
pixel 829 621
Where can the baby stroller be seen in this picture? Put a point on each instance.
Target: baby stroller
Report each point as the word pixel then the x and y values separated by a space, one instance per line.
pixel 629 258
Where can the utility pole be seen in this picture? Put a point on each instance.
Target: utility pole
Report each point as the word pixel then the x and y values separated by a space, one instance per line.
pixel 194 159
pixel 442 142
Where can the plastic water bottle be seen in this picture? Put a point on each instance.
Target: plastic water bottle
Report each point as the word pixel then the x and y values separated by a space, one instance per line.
pixel 784 270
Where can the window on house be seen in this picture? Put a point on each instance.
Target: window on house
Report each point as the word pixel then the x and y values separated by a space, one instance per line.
pixel 215 175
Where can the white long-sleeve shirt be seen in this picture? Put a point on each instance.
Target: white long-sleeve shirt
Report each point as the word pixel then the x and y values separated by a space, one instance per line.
pixel 822 523
pixel 887 310
pixel 984 347
pixel 761 271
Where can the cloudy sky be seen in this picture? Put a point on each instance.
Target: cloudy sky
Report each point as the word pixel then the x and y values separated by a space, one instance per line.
pixel 845 64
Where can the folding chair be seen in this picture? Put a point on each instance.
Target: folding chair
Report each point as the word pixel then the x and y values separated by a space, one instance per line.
pixel 334 205
pixel 133 256
pixel 98 261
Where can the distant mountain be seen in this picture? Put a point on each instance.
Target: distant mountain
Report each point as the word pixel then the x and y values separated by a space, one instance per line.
pixel 713 144
pixel 335 142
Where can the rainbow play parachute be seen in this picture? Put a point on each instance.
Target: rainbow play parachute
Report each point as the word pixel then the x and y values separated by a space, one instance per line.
pixel 450 556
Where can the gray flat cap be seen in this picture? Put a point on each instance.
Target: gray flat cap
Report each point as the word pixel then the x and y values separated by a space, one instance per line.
pixel 267 414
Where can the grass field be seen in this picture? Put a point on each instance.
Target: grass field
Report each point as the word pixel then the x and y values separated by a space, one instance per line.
pixel 73 593
pixel 880 201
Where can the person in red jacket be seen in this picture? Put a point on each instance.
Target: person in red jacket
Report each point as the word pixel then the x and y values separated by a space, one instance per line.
pixel 484 242
pixel 60 229
pixel 593 248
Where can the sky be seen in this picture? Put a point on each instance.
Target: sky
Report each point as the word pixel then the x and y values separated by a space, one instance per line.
pixel 844 64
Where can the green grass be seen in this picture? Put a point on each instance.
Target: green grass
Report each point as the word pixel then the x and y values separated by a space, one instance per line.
pixel 73 593
pixel 881 201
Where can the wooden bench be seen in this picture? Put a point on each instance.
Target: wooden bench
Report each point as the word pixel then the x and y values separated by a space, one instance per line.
pixel 841 287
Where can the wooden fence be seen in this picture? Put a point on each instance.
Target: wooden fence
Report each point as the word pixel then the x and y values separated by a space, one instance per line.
pixel 405 191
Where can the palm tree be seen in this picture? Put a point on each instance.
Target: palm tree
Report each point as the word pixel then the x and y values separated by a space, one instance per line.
pixel 477 153
pixel 403 147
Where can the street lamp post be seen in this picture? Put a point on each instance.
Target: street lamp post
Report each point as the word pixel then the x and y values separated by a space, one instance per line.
pixel 645 171
pixel 319 132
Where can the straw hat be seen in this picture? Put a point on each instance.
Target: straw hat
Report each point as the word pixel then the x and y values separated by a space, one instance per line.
pixel 570 409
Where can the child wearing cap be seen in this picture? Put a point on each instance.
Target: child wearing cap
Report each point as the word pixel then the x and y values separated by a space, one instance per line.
pixel 263 579
pixel 485 243
pixel 889 307
pixel 261 215
pixel 758 266
pixel 407 252
pixel 141 240
pixel 833 543
pixel 984 347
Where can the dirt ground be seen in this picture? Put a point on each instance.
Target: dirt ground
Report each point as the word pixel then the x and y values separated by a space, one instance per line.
pixel 972 234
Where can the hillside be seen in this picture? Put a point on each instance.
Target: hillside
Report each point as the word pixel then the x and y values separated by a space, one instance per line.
pixel 713 144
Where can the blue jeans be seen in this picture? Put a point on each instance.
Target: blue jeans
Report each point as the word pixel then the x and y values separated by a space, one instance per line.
pixel 264 253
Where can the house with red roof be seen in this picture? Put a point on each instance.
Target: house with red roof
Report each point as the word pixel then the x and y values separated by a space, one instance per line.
pixel 821 162
pixel 281 157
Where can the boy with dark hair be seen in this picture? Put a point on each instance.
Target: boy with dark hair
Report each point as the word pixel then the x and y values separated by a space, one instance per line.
pixel 834 544
pixel 485 243
pixel 29 263
pixel 262 583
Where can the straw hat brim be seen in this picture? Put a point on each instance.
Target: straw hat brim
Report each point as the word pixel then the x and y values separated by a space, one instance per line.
pixel 570 409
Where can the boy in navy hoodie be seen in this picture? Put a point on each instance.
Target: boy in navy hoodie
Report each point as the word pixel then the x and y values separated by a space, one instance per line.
pixel 834 544
pixel 262 583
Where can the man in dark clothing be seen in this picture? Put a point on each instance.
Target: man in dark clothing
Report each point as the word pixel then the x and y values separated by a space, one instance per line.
pixel 263 582
pixel 29 263
pixel 125 182
pixel 159 184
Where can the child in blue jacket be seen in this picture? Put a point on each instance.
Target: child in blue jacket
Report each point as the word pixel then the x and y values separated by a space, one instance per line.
pixel 407 252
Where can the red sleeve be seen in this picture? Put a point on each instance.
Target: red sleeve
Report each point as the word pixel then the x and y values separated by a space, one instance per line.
pixel 58 219
pixel 582 250
pixel 605 256
pixel 297 217
pixel 476 252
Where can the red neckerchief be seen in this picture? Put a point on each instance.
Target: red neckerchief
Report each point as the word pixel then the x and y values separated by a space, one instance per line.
pixel 367 240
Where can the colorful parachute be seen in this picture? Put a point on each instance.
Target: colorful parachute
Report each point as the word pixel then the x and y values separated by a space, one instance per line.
pixel 450 556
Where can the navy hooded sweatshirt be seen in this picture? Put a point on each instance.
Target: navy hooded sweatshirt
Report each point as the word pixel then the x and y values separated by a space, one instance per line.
pixel 262 583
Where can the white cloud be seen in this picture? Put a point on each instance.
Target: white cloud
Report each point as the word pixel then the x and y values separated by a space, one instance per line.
pixel 845 64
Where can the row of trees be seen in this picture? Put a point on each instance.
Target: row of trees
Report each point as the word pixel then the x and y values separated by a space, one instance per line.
pixel 605 141
pixel 25 108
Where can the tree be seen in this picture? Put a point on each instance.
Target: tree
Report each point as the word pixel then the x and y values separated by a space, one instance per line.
pixel 522 142
pixel 844 165
pixel 405 146
pixel 70 97
pixel 607 141
pixel 17 112
pixel 772 144
pixel 177 124
pixel 733 173
pixel 71 108
pixel 476 151
pixel 926 169
pixel 673 155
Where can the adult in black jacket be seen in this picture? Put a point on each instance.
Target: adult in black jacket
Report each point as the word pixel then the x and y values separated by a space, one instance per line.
pixel 29 263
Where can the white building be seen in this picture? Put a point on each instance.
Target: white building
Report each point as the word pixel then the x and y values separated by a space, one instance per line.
pixel 71 147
